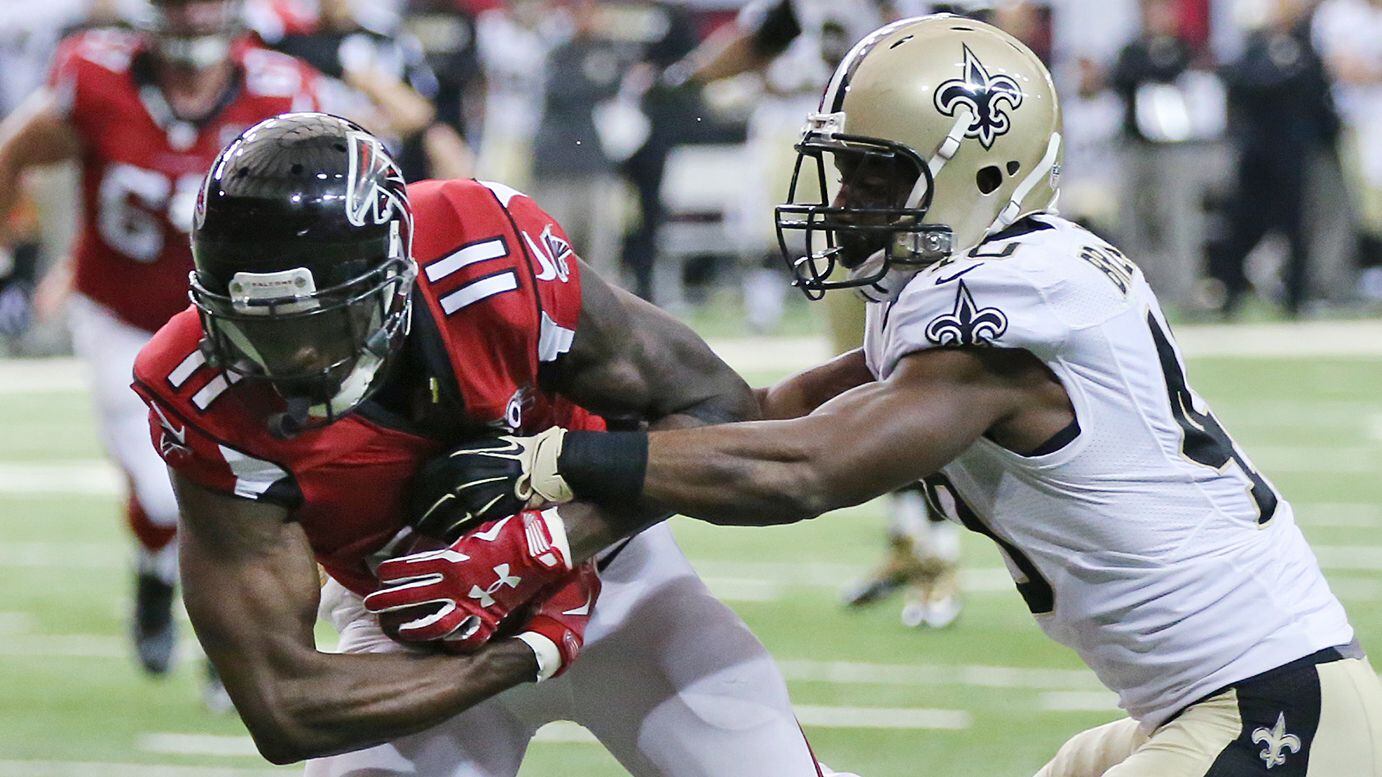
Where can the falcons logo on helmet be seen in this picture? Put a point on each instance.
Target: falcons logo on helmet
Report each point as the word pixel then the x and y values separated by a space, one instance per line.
pixel 984 96
pixel 967 324
pixel 368 199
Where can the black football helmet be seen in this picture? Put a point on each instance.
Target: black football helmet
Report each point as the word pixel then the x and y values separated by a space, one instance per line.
pixel 302 240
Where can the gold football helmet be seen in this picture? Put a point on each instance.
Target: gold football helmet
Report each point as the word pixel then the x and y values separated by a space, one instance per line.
pixel 940 131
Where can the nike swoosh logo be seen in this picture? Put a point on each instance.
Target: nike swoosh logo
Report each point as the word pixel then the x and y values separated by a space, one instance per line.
pixel 549 268
pixel 956 276
pixel 583 609
pixel 505 446
pixel 491 534
pixel 180 434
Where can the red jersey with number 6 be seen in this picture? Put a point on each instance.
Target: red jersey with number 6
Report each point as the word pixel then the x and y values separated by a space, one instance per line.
pixel 141 165
pixel 498 299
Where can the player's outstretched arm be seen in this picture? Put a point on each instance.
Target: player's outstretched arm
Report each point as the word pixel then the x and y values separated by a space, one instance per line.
pixel 862 444
pixel 251 591
pixel 35 134
pixel 800 394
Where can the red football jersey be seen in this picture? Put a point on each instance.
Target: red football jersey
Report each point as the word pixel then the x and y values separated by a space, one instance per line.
pixel 498 296
pixel 141 166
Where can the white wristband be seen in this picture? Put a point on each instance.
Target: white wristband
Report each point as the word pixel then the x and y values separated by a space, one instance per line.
pixel 548 656
pixel 557 528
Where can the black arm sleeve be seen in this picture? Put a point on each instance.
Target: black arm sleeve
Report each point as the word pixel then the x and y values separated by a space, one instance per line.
pixel 778 28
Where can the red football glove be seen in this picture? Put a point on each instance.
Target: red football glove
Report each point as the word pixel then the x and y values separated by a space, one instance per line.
pixel 556 631
pixel 466 590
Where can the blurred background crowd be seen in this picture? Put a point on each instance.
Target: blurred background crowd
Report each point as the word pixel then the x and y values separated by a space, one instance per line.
pixel 1232 147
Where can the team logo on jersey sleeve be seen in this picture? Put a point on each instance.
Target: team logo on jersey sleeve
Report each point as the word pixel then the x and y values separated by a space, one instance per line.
pixel 967 324
pixel 172 440
pixel 552 254
pixel 983 95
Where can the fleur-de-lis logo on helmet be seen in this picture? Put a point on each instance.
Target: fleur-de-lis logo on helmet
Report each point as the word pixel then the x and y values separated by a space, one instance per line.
pixel 984 95
pixel 967 324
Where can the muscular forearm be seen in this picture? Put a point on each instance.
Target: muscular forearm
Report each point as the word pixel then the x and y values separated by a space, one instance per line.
pixel 591 528
pixel 337 702
pixel 807 390
pixel 863 443
pixel 753 474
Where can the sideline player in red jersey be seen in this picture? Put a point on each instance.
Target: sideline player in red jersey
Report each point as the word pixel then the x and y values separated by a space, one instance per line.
pixel 295 405
pixel 144 113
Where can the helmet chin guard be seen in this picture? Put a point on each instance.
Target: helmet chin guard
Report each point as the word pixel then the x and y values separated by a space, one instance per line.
pixel 865 244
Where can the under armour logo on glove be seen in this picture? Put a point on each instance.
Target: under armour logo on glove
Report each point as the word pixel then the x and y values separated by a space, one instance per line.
pixel 486 595
pixel 462 593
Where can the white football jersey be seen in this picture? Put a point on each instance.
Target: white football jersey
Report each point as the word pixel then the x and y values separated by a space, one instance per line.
pixel 1142 538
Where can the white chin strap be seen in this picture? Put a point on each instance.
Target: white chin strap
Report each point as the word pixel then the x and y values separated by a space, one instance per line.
pixel 1044 168
pixel 352 388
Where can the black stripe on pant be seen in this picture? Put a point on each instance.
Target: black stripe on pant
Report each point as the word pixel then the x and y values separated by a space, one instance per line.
pixel 1281 713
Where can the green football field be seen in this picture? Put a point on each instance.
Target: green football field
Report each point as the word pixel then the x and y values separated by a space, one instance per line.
pixel 990 697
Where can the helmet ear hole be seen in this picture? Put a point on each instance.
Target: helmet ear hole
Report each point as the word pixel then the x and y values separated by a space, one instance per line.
pixel 1013 167
pixel 988 179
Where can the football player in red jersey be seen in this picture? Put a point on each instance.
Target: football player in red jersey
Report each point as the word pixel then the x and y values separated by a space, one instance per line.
pixel 143 112
pixel 322 368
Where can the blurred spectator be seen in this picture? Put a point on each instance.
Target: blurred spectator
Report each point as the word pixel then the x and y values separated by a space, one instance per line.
pixel 446 31
pixel 1282 118
pixel 672 113
pixel 1162 220
pixel 1348 34
pixel 1093 117
pixel 572 177
pixel 382 63
pixel 29 33
pixel 513 55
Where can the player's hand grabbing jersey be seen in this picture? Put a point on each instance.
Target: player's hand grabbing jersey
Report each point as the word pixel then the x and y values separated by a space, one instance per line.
pixel 1142 537
pixel 141 166
pixel 498 299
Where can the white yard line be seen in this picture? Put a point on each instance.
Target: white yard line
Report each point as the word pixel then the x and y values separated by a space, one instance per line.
pixel 1339 515
pixel 1316 459
pixel 218 745
pixel 568 733
pixel 564 732
pixel 1351 557
pixel 87 477
pixel 15 623
pixel 106 769
pixel 882 717
pixel 931 675
pixel 57 555
pixel 1078 701
pixel 42 376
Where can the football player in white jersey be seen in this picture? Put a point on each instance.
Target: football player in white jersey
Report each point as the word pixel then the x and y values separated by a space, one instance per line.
pixel 1024 369
pixel 789 41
